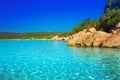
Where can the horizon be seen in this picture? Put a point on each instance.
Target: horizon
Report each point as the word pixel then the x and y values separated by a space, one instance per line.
pixel 47 16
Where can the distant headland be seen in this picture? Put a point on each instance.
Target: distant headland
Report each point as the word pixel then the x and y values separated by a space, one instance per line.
pixel 28 35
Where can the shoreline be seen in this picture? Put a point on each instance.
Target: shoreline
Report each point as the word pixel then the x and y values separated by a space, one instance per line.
pixel 59 41
pixel 25 39
pixel 92 38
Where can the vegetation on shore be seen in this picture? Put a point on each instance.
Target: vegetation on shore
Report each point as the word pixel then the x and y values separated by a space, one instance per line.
pixel 107 21
pixel 37 35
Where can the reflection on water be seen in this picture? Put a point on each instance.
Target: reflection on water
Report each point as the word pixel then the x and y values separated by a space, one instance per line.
pixel 52 60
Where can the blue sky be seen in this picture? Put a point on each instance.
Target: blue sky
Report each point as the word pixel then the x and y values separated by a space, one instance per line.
pixel 47 15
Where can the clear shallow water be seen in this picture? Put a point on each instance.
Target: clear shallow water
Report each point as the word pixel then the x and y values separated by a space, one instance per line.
pixel 52 60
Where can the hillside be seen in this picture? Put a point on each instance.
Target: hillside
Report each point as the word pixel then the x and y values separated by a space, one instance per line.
pixel 102 32
pixel 106 22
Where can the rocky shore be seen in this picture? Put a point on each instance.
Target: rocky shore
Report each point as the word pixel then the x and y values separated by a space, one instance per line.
pixel 93 38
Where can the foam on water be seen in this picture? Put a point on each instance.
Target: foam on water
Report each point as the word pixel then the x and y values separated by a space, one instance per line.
pixel 53 60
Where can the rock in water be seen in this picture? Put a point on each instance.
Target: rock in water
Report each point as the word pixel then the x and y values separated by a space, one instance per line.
pixel 113 41
pixel 90 38
pixel 99 37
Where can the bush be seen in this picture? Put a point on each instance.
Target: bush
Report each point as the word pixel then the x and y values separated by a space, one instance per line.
pixel 64 34
pixel 109 20
pixel 86 25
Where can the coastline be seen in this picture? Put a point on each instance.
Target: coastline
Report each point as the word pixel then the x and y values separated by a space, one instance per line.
pixel 88 38
pixel 92 38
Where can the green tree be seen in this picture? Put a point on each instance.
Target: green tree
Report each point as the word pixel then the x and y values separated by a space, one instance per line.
pixel 112 4
pixel 84 25
pixel 109 20
pixel 108 5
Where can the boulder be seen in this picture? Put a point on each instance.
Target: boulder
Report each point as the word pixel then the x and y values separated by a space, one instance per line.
pixel 83 37
pixel 112 41
pixel 55 38
pixel 78 38
pixel 98 41
pixel 58 38
pixel 74 38
pixel 118 25
pixel 71 42
pixel 114 31
pixel 88 38
pixel 92 30
pixel 95 39
pixel 89 41
pixel 99 37
pixel 65 39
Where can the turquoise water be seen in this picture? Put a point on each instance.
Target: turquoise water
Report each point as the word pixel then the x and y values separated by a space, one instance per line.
pixel 53 60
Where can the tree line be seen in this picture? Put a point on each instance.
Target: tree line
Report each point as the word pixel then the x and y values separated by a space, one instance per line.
pixel 106 22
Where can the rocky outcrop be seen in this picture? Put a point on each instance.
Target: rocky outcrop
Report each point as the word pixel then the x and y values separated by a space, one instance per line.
pixel 92 30
pixel 60 38
pixel 112 41
pixel 88 38
pixel 99 37
pixel 55 38
pixel 93 38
